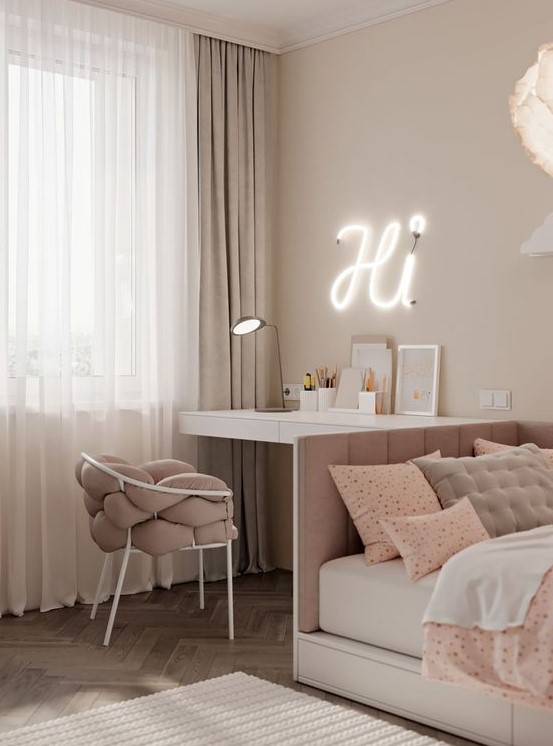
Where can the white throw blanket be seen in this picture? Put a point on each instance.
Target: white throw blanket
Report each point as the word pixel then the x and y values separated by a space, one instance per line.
pixel 491 584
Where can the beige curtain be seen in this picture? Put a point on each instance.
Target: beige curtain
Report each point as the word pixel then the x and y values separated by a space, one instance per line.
pixel 234 146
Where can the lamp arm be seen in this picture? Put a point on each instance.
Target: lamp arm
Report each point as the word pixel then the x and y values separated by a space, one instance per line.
pixel 279 364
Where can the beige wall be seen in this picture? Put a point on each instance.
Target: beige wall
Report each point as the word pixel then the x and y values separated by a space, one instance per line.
pixel 411 116
pixel 408 116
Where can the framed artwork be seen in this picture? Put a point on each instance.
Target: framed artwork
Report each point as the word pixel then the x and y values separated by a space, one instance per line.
pixel 417 381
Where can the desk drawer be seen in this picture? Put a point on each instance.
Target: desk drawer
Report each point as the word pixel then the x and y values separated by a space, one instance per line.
pixel 229 427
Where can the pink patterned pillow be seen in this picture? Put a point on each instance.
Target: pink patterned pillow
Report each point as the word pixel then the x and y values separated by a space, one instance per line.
pixel 373 492
pixel 427 541
pixel 483 447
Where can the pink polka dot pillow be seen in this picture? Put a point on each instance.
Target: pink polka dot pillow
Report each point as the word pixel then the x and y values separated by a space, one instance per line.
pixel 427 541
pixel 483 447
pixel 379 491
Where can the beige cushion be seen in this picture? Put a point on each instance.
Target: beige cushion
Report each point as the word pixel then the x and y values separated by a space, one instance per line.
pixel 485 447
pixel 511 490
pixel 427 541
pixel 166 467
pixel 108 537
pixel 158 502
pixel 195 481
pixel 103 458
pixel 379 491
pixel 98 484
pixel 93 507
pixel 220 531
pixel 157 537
pixel 198 511
pixel 122 512
pixel 151 501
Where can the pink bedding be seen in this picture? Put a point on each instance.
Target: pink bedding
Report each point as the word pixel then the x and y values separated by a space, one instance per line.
pixel 515 664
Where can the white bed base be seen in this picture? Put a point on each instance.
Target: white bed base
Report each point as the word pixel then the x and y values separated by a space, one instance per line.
pixel 392 682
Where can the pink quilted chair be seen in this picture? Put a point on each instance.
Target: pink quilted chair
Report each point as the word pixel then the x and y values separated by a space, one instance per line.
pixel 156 508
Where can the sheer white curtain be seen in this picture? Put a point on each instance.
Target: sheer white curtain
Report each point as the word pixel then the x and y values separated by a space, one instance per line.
pixel 98 275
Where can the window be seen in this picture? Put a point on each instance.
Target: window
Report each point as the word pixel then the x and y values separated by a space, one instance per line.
pixel 71 256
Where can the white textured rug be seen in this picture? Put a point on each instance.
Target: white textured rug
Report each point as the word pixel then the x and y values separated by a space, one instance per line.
pixel 233 710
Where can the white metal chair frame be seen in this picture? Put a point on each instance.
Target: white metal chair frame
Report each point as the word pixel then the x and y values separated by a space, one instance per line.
pixel 129 549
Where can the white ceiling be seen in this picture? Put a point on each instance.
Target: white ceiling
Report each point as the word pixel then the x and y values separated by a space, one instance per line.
pixel 275 25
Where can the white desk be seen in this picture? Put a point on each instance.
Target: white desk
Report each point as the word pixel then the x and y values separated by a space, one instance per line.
pixel 282 427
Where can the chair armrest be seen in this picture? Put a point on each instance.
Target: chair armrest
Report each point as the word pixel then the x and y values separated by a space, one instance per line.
pixel 202 485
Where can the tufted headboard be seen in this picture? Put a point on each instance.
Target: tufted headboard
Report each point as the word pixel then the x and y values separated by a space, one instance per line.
pixel 325 530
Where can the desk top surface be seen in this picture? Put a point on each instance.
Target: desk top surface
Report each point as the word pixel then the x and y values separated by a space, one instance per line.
pixel 282 427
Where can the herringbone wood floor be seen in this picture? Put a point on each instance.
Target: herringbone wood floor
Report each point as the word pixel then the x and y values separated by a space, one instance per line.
pixel 54 664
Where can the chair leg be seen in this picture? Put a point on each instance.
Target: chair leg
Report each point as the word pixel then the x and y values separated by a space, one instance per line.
pixel 118 589
pixel 105 567
pixel 201 577
pixel 229 591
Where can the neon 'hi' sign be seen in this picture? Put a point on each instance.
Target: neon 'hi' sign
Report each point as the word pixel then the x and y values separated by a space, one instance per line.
pixel 347 283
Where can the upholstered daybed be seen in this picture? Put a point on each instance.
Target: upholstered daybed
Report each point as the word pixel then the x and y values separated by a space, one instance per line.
pixel 365 655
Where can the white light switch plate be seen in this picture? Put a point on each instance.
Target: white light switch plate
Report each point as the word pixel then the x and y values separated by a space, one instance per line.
pixel 486 398
pixel 501 399
pixel 494 399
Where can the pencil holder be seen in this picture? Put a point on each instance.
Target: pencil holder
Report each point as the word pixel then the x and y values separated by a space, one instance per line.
pixel 309 401
pixel 367 402
pixel 327 399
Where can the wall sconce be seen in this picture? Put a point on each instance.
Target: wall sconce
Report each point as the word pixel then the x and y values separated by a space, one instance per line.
pixel 247 325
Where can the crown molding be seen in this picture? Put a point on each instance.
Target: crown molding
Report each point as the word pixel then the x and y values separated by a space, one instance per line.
pixel 325 29
pixel 263 36
pixel 197 21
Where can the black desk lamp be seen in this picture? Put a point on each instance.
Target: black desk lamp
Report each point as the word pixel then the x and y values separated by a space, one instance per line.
pixel 247 325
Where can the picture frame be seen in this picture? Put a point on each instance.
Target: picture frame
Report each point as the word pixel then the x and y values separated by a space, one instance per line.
pixel 417 379
pixel 363 346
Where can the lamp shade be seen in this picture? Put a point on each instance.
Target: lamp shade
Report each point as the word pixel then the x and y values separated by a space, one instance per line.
pixel 246 325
